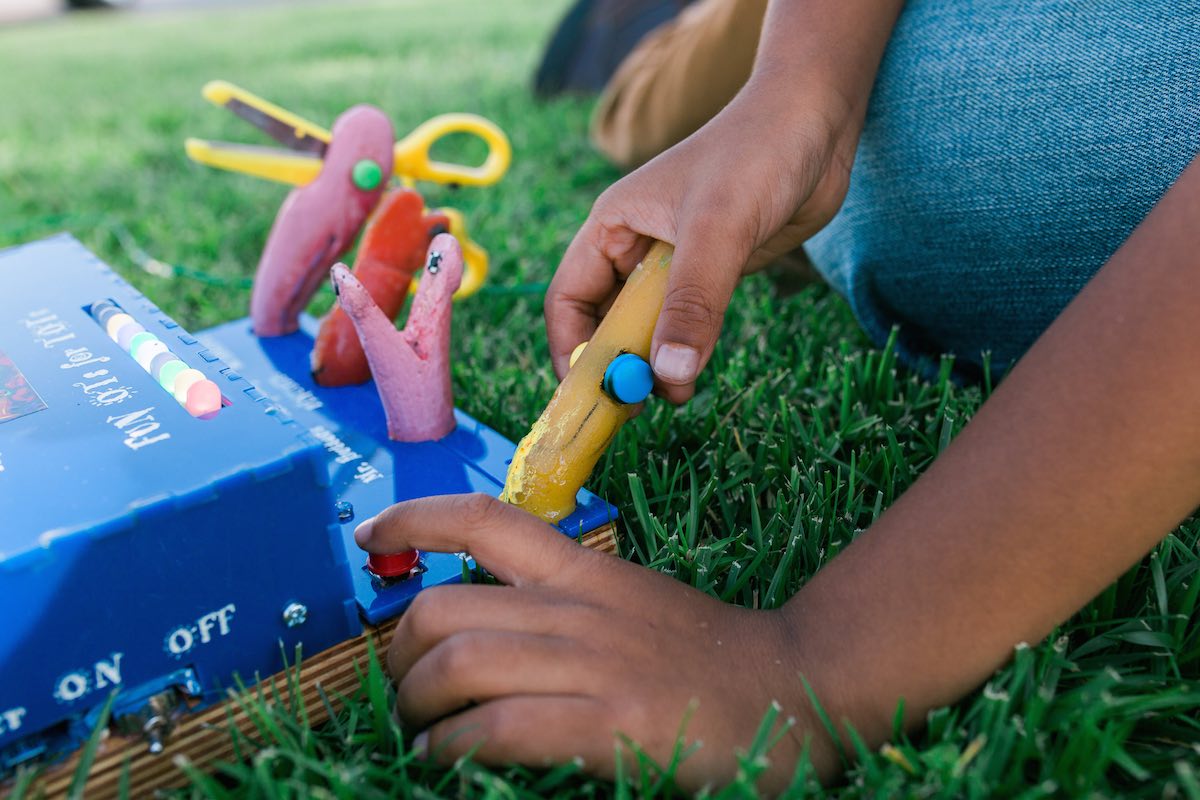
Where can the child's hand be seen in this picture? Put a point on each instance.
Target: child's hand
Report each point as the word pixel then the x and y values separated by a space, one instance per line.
pixel 761 177
pixel 577 647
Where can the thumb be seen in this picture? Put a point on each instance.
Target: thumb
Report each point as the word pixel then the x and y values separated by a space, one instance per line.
pixel 705 269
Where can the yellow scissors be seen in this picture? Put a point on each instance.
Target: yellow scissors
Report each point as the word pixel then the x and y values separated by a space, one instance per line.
pixel 306 144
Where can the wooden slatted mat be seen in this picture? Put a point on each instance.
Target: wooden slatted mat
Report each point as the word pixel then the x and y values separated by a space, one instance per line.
pixel 204 737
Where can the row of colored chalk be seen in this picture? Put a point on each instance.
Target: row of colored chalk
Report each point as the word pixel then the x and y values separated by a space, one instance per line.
pixel 199 395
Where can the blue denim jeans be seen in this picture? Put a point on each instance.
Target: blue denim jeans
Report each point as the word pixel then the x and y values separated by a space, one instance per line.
pixel 1010 147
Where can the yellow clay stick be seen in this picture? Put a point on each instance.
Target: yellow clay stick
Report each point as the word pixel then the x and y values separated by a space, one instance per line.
pixel 559 452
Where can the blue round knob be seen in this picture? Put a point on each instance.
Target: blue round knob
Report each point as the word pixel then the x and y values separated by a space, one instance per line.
pixel 628 379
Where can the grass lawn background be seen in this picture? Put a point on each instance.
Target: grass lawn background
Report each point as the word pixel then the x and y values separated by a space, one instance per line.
pixel 801 433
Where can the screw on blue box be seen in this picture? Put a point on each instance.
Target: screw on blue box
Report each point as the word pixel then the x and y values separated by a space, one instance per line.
pixel 147 550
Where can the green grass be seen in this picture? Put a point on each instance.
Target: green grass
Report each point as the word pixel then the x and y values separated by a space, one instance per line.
pixel 801 433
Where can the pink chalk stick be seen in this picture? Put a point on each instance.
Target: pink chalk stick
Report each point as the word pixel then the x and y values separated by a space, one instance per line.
pixel 317 223
pixel 411 366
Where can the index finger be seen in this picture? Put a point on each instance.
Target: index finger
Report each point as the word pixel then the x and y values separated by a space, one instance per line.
pixel 516 547
pixel 597 260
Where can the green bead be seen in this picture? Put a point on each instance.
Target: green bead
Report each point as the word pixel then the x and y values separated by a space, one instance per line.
pixel 367 175
pixel 169 372
pixel 137 341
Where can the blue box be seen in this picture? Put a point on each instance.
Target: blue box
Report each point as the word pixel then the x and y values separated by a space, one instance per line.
pixel 144 549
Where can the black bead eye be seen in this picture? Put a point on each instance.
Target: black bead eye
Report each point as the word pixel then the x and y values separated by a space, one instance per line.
pixel 435 263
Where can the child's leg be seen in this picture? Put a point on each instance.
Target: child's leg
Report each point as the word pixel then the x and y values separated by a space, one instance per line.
pixel 1010 147
pixel 676 79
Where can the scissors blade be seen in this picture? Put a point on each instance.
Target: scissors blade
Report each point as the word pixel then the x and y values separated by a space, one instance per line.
pixel 282 166
pixel 290 130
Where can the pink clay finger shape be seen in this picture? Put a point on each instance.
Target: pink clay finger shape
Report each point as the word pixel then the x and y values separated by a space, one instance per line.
pixel 318 222
pixel 411 366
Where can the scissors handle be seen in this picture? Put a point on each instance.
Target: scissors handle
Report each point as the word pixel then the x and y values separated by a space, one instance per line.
pixel 475 258
pixel 412 160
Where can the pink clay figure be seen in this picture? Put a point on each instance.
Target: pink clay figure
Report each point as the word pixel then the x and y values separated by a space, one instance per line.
pixel 317 223
pixel 411 366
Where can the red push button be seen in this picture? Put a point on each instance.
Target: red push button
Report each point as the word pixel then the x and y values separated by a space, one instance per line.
pixel 393 565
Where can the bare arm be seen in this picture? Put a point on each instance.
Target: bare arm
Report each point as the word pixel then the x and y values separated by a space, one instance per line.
pixel 833 45
pixel 1085 456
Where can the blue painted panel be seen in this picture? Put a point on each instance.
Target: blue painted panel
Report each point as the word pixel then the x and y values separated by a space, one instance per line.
pixel 137 541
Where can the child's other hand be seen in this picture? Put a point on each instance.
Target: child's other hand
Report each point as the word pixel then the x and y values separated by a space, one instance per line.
pixel 577 647
pixel 761 177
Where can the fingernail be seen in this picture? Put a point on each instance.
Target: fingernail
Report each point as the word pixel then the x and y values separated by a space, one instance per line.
pixel 676 363
pixel 362 534
pixel 420 745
